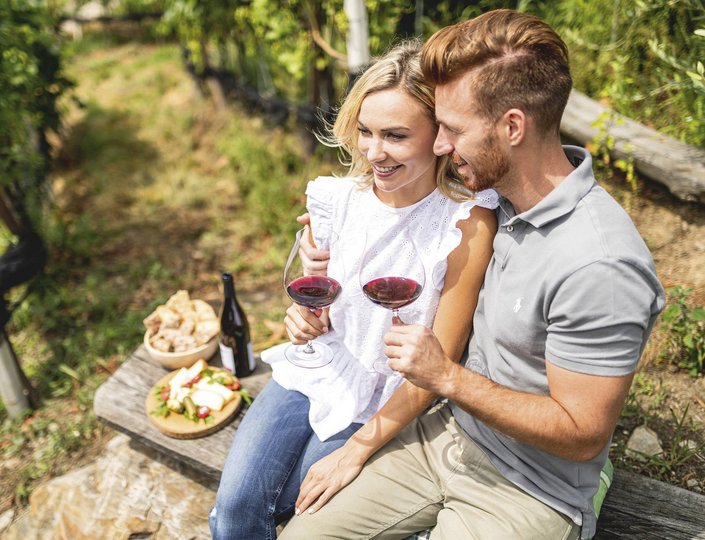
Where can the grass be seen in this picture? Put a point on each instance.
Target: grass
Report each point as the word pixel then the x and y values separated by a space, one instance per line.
pixel 155 190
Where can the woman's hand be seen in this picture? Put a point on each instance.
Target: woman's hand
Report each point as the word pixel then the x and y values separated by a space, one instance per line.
pixel 315 261
pixel 325 478
pixel 303 325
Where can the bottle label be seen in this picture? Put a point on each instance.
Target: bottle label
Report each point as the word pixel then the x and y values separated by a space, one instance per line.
pixel 250 356
pixel 227 358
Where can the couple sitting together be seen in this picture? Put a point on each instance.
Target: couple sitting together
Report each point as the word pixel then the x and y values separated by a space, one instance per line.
pixel 509 372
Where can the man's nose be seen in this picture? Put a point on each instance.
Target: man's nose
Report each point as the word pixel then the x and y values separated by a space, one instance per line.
pixel 442 145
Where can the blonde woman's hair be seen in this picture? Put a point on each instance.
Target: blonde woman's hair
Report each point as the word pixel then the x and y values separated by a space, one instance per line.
pixel 398 69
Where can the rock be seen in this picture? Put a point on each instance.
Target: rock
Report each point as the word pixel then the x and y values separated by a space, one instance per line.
pixel 643 443
pixel 91 11
pixel 690 445
pixel 6 519
pixel 692 483
pixel 125 493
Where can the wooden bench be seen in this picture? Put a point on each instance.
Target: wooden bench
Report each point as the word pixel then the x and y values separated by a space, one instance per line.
pixel 635 507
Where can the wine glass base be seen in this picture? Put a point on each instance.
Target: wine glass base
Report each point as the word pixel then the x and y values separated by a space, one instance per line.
pixel 322 355
pixel 383 368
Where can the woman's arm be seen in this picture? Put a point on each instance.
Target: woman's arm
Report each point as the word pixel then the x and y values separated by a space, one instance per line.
pixel 452 325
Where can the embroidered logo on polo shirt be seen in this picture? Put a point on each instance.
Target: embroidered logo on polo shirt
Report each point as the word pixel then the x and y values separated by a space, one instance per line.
pixel 517 304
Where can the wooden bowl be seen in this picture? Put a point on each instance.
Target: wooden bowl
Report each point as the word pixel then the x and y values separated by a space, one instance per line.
pixel 176 360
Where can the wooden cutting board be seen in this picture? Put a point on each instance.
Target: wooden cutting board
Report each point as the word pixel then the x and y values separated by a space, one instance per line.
pixel 177 426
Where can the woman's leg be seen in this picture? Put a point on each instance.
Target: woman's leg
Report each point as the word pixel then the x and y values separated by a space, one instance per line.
pixel 266 449
pixel 314 450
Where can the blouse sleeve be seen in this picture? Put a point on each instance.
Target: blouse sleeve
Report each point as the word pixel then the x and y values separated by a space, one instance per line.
pixel 452 235
pixel 322 195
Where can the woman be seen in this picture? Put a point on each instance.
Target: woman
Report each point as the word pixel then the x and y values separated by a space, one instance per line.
pixel 336 417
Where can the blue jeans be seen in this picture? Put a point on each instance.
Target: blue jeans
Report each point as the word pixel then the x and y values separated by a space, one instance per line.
pixel 273 448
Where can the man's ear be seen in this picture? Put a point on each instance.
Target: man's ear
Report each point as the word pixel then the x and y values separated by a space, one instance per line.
pixel 514 124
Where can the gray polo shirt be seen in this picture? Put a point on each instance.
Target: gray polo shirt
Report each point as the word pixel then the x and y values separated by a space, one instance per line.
pixel 571 282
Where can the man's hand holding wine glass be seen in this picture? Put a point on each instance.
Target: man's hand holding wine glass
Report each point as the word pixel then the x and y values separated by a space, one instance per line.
pixel 414 351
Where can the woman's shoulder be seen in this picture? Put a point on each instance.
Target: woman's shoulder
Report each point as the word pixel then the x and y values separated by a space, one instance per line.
pixel 331 185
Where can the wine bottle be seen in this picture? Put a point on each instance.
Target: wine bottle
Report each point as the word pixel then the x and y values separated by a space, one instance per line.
pixel 235 344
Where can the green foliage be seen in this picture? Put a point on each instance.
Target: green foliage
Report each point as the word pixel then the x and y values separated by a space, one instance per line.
pixel 684 330
pixel 643 57
pixel 32 82
pixel 271 175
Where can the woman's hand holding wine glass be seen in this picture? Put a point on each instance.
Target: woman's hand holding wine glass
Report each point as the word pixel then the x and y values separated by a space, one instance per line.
pixel 313 292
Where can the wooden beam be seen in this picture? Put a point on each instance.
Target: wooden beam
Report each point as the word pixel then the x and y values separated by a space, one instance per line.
pixel 678 166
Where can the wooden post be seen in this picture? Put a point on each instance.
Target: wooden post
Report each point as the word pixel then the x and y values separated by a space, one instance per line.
pixel 14 387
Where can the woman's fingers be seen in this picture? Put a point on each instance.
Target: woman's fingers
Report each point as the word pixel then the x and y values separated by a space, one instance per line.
pixel 315 261
pixel 303 325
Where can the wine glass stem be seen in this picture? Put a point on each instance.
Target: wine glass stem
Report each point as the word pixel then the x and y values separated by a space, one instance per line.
pixel 309 348
pixel 395 316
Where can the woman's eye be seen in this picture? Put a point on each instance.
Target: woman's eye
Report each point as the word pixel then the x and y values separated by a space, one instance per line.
pixel 363 131
pixel 396 136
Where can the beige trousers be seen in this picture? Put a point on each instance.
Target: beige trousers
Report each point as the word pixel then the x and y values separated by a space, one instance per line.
pixel 432 476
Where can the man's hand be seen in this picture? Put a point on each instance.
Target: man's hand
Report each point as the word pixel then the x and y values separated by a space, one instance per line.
pixel 303 325
pixel 315 261
pixel 415 352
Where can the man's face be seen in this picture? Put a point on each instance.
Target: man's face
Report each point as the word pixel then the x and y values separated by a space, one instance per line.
pixel 471 140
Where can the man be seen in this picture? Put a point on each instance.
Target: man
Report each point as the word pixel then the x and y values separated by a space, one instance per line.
pixel 569 299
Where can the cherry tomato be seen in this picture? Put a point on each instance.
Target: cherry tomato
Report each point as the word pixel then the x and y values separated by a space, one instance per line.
pixel 203 411
pixel 193 381
pixel 165 393
pixel 234 386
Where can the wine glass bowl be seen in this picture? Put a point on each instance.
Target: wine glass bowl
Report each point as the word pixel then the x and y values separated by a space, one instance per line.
pixel 392 275
pixel 392 292
pixel 314 292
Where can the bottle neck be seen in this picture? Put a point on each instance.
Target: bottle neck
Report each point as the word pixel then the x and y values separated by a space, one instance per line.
pixel 228 287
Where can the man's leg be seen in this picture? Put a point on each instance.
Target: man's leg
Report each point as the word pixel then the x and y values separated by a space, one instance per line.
pixel 397 493
pixel 481 504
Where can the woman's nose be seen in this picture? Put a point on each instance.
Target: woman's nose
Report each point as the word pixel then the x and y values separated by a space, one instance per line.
pixel 375 150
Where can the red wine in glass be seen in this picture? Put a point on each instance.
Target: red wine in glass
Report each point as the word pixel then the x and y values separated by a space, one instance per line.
pixel 392 275
pixel 313 292
pixel 392 292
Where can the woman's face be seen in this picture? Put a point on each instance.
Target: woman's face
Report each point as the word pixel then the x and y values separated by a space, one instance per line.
pixel 396 136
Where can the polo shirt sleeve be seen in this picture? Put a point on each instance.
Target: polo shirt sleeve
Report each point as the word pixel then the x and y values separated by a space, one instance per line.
pixel 599 319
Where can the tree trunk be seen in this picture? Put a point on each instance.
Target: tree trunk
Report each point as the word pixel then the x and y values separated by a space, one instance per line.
pixel 358 38
pixel 15 390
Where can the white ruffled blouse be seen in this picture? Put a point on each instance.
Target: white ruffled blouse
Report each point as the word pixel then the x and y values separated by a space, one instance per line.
pixel 349 389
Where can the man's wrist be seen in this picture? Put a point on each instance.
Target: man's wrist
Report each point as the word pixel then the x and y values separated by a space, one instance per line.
pixel 450 380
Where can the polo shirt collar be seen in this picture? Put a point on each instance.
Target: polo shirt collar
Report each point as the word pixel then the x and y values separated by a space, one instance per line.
pixel 566 195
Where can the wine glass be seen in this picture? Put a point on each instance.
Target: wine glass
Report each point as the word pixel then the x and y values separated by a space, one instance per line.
pixel 312 291
pixel 392 275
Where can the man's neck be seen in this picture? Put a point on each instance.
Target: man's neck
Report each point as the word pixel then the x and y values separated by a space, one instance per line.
pixel 538 169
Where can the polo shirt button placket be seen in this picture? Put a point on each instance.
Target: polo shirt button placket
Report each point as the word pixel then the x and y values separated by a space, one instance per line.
pixel 510 228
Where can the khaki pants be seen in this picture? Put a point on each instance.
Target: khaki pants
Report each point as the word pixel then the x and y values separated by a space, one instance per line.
pixel 432 476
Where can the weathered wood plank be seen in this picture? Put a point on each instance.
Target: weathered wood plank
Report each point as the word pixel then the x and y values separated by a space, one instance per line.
pixel 641 508
pixel 119 402
pixel 678 166
pixel 635 508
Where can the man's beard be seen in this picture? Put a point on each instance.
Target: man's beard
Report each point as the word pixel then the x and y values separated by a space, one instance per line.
pixel 489 166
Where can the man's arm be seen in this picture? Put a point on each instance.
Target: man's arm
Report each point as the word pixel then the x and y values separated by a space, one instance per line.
pixel 575 421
